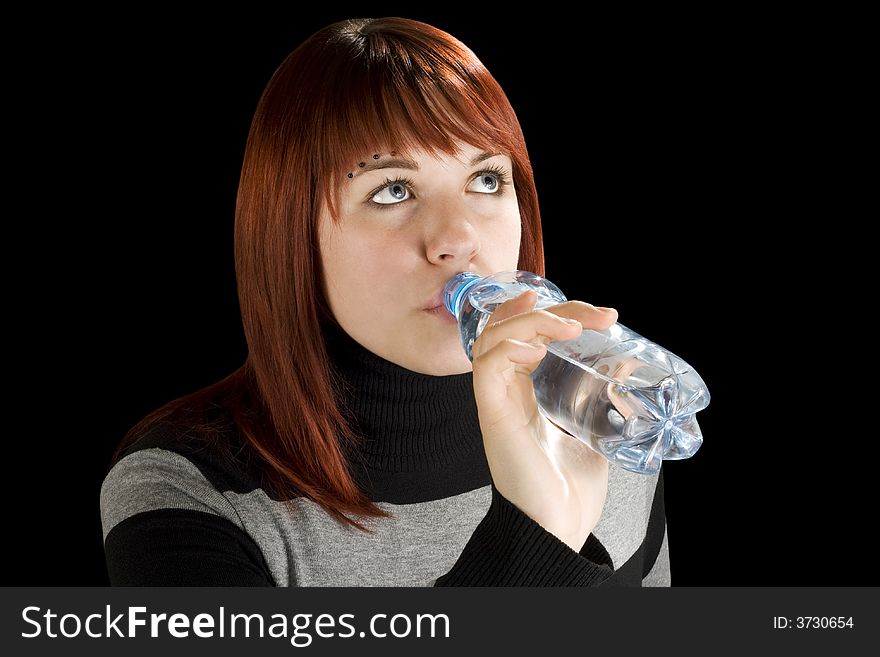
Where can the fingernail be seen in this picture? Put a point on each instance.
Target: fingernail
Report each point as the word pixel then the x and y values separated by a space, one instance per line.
pixel 570 321
pixel 604 309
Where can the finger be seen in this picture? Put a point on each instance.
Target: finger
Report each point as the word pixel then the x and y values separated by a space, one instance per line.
pixel 500 364
pixel 591 317
pixel 522 303
pixel 498 367
pixel 511 351
pixel 536 327
pixel 616 395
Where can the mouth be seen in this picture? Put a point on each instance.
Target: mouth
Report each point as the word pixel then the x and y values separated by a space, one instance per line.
pixel 435 306
pixel 441 314
pixel 434 302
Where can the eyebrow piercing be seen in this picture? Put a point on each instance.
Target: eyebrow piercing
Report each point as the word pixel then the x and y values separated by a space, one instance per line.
pixel 361 164
pixel 350 175
pixel 376 157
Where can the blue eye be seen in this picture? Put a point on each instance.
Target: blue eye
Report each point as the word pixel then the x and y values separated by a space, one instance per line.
pixel 394 192
pixel 490 180
pixel 494 179
pixel 398 190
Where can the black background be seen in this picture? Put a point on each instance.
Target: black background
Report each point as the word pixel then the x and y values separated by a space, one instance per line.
pixel 660 148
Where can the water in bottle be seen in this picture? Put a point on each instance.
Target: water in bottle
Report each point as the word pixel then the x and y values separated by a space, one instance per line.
pixel 624 396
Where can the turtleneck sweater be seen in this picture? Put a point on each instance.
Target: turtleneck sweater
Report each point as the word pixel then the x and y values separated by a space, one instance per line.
pixel 176 514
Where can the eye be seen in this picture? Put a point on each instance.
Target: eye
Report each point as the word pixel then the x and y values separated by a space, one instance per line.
pixel 489 181
pixel 392 192
pixel 493 179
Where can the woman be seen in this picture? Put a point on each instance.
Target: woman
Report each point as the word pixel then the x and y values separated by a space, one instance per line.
pixel 358 445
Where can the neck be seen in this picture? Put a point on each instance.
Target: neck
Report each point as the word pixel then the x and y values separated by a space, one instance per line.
pixel 409 420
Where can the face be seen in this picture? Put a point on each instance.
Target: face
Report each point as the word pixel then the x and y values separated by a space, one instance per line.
pixel 405 229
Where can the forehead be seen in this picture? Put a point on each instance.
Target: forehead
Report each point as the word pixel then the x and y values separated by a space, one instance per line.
pixel 466 155
pixel 464 152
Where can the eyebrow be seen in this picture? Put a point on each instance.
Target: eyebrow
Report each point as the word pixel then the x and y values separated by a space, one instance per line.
pixel 404 163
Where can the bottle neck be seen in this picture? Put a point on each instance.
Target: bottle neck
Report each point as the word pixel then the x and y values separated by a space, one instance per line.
pixel 456 290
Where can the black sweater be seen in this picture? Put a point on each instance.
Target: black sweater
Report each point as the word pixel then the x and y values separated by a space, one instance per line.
pixel 177 514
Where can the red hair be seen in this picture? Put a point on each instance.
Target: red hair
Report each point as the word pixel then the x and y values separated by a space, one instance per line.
pixel 351 87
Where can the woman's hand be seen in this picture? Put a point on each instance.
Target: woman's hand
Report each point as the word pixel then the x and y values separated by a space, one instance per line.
pixel 553 478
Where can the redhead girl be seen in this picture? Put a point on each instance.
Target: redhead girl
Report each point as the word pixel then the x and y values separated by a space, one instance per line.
pixel 357 445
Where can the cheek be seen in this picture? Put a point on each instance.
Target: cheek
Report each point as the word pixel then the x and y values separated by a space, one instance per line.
pixel 361 265
pixel 505 237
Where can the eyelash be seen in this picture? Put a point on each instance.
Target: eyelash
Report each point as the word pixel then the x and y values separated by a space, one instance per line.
pixel 499 172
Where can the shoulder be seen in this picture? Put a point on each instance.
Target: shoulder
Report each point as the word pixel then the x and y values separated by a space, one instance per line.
pixel 171 469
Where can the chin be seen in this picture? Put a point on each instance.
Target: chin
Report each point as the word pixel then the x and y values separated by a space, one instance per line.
pixel 443 348
pixel 456 361
pixel 446 362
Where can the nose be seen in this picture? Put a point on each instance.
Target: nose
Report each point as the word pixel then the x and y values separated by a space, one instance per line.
pixel 452 237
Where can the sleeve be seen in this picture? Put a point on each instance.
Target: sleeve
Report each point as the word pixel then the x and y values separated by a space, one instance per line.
pixel 659 573
pixel 164 524
pixel 655 570
pixel 508 548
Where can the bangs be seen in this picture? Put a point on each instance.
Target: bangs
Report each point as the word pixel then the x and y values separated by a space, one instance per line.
pixel 420 96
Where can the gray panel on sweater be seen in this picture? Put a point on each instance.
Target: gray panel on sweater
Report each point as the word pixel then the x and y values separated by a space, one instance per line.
pixel 310 548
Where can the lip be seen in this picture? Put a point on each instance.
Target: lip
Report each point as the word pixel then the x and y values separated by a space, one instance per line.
pixel 433 302
pixel 437 299
pixel 441 313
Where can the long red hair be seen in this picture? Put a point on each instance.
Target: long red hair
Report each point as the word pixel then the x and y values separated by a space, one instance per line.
pixel 351 87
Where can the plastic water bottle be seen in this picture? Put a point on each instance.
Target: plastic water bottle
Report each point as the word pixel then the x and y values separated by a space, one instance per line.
pixel 624 396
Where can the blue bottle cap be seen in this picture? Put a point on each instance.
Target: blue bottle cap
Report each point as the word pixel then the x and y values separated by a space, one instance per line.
pixel 456 288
